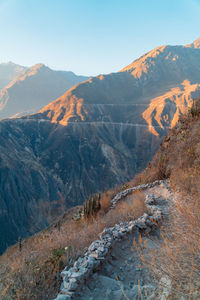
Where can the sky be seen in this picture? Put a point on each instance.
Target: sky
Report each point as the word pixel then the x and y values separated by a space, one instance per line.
pixel 92 37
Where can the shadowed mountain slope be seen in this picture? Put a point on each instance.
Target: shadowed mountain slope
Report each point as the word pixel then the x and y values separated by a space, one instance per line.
pixel 46 168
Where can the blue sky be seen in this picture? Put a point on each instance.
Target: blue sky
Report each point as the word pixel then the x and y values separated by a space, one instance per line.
pixel 92 36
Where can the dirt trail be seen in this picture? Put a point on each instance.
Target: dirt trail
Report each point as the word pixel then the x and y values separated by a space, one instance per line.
pixel 120 276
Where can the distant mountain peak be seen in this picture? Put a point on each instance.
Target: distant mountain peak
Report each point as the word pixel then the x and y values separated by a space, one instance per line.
pixel 8 63
pixel 149 60
pixel 195 44
pixel 11 64
pixel 38 66
pixel 8 72
pixel 26 90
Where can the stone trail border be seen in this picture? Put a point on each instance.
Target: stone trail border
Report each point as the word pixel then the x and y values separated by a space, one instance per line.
pixel 75 277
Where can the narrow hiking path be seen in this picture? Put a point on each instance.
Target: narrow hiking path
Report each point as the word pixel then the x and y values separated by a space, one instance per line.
pixel 120 276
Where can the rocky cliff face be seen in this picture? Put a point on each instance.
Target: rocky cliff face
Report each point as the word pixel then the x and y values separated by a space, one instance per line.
pixel 99 133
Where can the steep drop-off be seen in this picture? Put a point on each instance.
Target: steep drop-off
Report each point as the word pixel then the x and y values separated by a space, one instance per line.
pixel 46 168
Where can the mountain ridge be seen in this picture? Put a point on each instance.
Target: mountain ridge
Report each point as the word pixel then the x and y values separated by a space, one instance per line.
pixel 169 67
pixel 34 88
pixel 8 72
pixel 195 44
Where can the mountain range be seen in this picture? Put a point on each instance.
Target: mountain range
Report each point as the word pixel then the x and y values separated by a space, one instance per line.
pixel 155 90
pixel 26 90
pixel 99 133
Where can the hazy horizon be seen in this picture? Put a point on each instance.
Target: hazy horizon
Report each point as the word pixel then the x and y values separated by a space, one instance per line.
pixel 92 37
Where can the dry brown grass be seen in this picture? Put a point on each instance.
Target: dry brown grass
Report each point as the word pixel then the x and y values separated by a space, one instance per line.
pixel 178 257
pixel 134 206
pixel 105 201
pixel 34 271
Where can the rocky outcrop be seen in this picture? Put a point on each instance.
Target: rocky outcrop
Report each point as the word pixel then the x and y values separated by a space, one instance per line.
pixel 97 252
